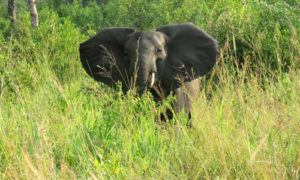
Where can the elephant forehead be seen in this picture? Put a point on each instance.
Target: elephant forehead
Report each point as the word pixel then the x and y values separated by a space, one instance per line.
pixel 145 41
pixel 156 38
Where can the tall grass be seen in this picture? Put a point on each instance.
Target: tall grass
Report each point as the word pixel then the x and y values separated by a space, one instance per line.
pixel 57 123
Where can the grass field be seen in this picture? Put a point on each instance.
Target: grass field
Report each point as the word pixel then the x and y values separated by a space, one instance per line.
pixel 57 123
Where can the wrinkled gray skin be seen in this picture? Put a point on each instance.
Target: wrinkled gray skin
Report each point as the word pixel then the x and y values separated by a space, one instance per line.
pixel 170 59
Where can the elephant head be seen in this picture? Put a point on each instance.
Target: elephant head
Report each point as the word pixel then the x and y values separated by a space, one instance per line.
pixel 170 56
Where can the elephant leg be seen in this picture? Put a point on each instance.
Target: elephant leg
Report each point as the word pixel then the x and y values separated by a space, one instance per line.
pixel 186 96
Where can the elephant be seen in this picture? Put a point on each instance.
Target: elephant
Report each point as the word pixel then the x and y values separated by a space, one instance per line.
pixel 170 60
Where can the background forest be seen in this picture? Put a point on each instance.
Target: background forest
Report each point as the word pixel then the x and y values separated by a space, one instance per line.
pixel 58 123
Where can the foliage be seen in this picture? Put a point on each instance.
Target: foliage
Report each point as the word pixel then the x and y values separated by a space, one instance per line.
pixel 256 29
pixel 57 123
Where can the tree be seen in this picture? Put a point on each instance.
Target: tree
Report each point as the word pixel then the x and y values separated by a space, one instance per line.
pixel 11 10
pixel 33 13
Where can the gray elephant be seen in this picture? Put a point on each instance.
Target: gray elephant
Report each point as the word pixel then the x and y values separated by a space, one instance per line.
pixel 169 60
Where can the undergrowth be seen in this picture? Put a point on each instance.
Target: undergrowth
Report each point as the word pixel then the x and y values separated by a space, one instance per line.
pixel 57 123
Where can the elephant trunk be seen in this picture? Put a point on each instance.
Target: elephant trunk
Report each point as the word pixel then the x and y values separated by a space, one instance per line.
pixel 143 73
pixel 141 81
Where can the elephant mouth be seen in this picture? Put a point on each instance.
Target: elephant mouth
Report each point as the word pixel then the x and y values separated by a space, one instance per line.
pixel 149 83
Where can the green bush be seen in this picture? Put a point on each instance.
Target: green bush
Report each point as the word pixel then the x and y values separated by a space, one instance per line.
pixel 89 18
pixel 260 33
pixel 255 30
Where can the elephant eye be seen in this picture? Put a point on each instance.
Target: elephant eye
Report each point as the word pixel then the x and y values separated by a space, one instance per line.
pixel 158 50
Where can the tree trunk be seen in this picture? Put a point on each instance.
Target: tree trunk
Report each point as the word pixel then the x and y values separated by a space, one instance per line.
pixel 33 13
pixel 11 10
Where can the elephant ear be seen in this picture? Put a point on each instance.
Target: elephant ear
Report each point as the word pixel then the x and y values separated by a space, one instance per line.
pixel 103 58
pixel 191 53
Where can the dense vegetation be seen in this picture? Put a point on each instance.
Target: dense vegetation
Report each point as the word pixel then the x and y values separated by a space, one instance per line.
pixel 56 122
